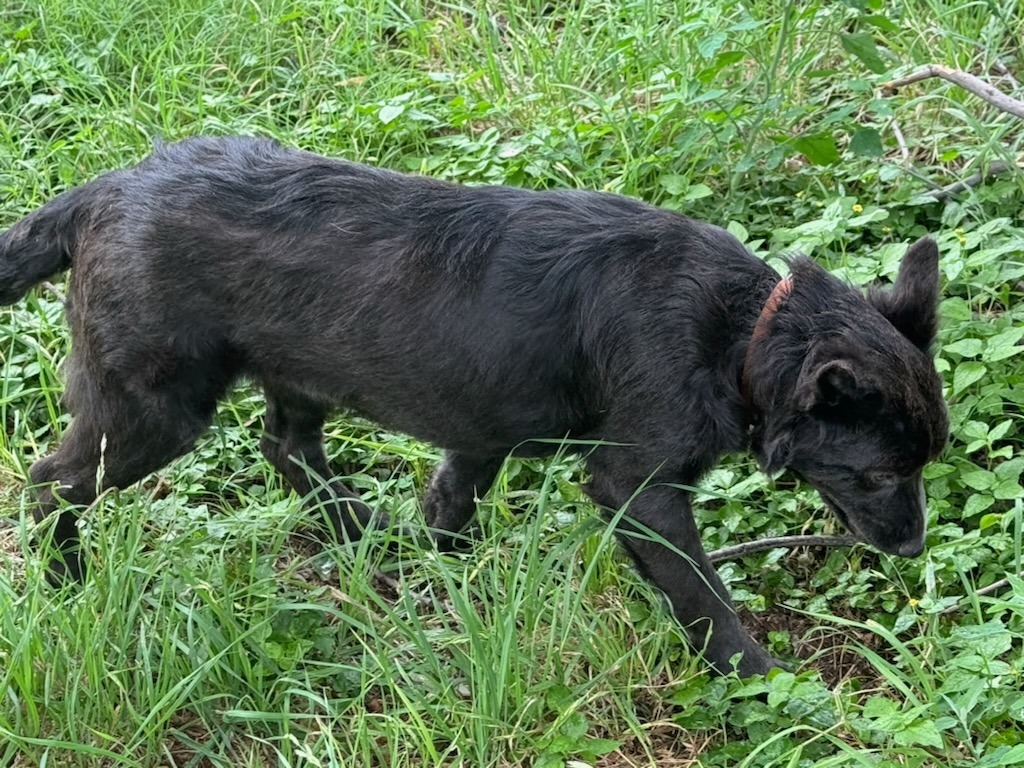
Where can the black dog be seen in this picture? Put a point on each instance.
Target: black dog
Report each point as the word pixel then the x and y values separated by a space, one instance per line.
pixel 477 319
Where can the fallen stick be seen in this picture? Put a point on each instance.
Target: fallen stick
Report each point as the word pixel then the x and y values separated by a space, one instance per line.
pixel 995 168
pixel 966 81
pixel 777 542
pixel 995 586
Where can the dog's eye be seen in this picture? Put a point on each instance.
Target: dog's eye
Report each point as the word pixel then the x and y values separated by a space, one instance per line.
pixel 877 480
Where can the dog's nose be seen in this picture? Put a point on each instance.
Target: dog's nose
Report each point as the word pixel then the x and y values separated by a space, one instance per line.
pixel 911 548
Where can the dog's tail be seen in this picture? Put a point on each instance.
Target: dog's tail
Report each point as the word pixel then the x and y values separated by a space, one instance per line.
pixel 42 244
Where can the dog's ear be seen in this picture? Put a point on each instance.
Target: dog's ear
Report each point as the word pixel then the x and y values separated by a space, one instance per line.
pixel 829 384
pixel 832 384
pixel 911 304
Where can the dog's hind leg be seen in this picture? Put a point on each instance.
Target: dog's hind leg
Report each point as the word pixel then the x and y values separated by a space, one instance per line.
pixel 293 444
pixel 658 530
pixel 116 438
pixel 450 501
pixel 69 474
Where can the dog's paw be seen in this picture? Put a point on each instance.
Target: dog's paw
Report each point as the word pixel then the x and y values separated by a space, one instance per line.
pixel 447 541
pixel 67 570
pixel 758 662
pixel 449 522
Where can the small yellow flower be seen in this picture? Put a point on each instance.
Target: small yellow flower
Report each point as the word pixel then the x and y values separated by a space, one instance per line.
pixel 960 231
pixel 800 195
pixel 608 187
pixel 962 239
pixel 886 230
pixel 913 602
pixel 857 208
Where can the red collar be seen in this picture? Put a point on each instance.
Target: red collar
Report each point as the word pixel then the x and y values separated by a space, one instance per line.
pixel 779 294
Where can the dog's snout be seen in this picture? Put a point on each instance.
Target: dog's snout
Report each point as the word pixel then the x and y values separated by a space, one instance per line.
pixel 911 548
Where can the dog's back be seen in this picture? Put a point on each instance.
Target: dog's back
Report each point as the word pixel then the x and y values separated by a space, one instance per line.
pixel 390 293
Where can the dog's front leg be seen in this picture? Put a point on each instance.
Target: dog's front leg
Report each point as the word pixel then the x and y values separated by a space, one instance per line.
pixel 450 501
pixel 658 529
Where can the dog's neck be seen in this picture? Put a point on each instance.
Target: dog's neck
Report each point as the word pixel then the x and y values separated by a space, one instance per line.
pixel 779 294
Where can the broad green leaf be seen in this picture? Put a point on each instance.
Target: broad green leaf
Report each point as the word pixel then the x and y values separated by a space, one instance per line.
pixel 1003 756
pixel 999 430
pixel 989 640
pixel 722 60
pixel 973 428
pixel 955 308
pixel 1008 470
pixel 977 503
pixel 575 727
pixel 820 148
pixel 966 374
pixel 882 23
pixel 1004 344
pixel 965 347
pixel 389 112
pixel 867 142
pixel 879 706
pixel 511 149
pixel 725 58
pixel 675 184
pixel 862 45
pixel 938 469
pixel 711 44
pixel 890 171
pixel 869 216
pixel 1008 489
pixel 987 521
pixel 697 191
pixel 979 479
pixel 921 732
pixel 598 747
pixel 738 231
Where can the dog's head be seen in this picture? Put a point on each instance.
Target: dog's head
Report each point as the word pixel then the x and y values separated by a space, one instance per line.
pixel 851 400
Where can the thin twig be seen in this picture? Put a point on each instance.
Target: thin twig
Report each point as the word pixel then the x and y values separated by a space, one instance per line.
pixel 900 140
pixel 967 81
pixel 388 581
pixel 57 292
pixel 1003 70
pixel 996 168
pixel 995 586
pixel 777 542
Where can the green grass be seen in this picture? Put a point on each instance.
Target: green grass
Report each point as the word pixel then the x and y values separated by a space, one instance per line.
pixel 211 634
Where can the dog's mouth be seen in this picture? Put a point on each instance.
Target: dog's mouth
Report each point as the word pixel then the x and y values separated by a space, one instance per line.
pixel 841 515
pixel 904 549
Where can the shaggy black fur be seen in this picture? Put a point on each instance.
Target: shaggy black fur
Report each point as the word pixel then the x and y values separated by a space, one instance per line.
pixel 477 319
